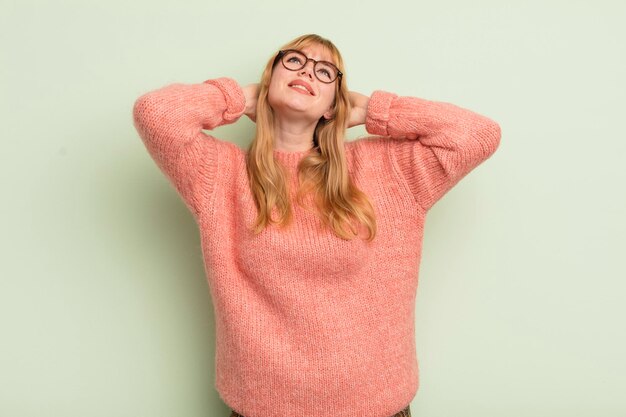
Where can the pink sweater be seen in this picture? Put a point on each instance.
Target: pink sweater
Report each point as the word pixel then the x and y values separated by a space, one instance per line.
pixel 308 324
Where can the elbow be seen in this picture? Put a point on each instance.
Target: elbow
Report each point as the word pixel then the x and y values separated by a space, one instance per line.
pixel 489 137
pixel 144 112
pixel 157 106
pixel 496 134
pixel 141 107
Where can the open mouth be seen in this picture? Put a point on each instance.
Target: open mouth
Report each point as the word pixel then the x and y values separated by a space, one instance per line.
pixel 302 87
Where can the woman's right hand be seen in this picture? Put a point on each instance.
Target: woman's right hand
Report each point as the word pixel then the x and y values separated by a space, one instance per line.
pixel 251 93
pixel 358 108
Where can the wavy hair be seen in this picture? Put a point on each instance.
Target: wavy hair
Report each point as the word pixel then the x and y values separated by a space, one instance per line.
pixel 341 206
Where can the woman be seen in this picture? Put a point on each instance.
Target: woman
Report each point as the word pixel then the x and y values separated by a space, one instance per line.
pixel 312 244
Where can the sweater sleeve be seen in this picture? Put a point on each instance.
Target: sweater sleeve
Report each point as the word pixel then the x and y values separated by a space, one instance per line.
pixel 170 120
pixel 446 141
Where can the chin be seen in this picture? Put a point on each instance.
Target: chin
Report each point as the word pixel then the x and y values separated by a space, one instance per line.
pixel 293 103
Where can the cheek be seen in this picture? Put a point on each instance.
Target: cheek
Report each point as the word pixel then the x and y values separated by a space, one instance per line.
pixel 272 92
pixel 330 96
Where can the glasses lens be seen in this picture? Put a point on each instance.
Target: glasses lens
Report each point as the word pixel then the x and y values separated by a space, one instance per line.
pixel 294 60
pixel 325 72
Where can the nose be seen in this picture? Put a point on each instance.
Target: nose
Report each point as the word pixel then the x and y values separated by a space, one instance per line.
pixel 308 69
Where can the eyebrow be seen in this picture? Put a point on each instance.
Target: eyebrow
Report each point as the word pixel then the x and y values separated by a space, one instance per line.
pixel 319 60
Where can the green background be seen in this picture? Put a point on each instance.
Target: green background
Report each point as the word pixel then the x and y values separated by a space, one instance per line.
pixel 104 307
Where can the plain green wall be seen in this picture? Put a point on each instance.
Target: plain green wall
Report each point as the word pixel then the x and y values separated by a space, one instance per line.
pixel 104 308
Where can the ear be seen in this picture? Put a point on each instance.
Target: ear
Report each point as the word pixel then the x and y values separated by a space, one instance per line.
pixel 330 113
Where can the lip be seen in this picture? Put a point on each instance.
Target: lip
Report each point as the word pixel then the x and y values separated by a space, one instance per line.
pixel 304 84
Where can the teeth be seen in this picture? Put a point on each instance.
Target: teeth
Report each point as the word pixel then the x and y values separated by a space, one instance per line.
pixel 300 87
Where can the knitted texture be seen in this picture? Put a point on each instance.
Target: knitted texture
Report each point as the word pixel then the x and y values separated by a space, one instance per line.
pixel 307 322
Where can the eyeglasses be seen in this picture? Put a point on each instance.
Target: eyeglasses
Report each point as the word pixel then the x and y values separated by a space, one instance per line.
pixel 295 60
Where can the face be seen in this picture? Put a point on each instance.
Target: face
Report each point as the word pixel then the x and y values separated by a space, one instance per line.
pixel 300 93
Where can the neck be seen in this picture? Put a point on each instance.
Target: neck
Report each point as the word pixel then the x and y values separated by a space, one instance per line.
pixel 293 135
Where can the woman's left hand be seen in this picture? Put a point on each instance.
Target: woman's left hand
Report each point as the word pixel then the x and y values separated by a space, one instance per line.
pixel 358 103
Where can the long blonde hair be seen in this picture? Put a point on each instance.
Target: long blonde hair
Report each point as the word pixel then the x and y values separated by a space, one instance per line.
pixel 324 172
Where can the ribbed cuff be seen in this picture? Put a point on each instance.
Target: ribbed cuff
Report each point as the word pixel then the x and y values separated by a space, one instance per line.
pixel 377 115
pixel 233 94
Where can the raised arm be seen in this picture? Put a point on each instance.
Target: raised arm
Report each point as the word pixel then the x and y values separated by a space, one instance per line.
pixel 170 120
pixel 434 144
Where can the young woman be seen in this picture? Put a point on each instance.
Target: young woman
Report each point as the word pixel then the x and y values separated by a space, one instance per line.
pixel 312 244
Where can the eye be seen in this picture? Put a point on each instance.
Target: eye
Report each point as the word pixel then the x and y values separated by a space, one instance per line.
pixel 294 57
pixel 324 73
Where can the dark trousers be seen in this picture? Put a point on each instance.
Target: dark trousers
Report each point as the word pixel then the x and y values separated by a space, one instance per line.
pixel 404 413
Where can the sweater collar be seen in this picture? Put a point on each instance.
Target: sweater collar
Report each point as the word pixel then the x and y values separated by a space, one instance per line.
pixel 290 159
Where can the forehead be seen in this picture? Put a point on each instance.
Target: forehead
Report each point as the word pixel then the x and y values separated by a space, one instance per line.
pixel 317 52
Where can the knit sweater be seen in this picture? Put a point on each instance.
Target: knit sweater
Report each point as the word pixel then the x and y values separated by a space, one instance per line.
pixel 309 324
